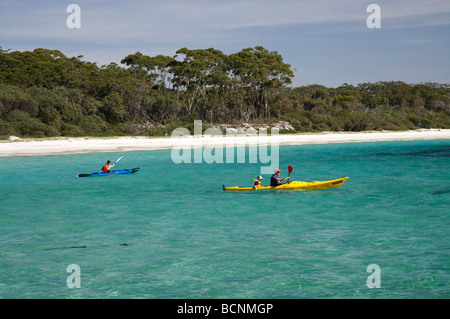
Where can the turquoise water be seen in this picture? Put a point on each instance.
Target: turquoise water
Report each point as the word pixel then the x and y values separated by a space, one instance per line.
pixel 169 231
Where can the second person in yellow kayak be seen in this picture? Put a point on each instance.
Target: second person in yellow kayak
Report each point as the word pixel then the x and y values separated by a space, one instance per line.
pixel 257 182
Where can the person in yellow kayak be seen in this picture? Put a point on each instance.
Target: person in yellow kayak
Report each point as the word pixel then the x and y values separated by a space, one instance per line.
pixel 276 180
pixel 257 182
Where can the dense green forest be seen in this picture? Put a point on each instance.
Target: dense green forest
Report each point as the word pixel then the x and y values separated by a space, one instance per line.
pixel 45 93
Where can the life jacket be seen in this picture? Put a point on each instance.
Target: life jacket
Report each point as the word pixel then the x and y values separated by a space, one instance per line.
pixel 257 183
pixel 105 169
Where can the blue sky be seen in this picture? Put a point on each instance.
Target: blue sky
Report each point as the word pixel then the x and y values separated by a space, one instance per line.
pixel 326 41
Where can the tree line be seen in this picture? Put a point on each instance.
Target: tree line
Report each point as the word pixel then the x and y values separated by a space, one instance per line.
pixel 45 93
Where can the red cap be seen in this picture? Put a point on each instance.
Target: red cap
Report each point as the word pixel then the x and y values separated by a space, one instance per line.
pixel 277 170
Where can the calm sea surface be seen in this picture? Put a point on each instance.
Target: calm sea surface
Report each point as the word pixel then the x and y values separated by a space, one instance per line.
pixel 169 231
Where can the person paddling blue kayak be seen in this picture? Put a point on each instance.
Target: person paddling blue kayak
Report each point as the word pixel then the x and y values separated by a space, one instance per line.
pixel 107 167
pixel 106 170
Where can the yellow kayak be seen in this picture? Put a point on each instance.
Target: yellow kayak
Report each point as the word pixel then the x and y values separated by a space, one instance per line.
pixel 294 185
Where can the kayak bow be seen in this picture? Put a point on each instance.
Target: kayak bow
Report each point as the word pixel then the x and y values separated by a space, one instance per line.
pixel 294 185
pixel 117 172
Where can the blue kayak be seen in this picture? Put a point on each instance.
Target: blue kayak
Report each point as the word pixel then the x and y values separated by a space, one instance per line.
pixel 121 171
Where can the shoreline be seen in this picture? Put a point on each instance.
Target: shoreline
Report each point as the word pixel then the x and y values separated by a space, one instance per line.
pixel 76 145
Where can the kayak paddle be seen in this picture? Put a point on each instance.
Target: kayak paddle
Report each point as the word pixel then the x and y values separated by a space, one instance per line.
pixel 290 168
pixel 118 159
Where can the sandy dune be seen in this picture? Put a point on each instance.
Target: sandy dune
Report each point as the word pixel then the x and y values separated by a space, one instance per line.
pixel 57 146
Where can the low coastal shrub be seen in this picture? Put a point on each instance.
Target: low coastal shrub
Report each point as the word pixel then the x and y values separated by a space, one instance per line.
pixel 154 95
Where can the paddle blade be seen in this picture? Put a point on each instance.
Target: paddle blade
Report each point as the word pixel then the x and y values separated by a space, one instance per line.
pixel 290 168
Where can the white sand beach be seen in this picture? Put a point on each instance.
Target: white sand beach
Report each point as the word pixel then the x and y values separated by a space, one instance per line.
pixel 58 146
